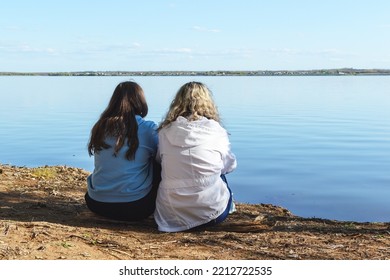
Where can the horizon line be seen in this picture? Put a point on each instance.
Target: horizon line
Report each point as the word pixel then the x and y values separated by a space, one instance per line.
pixel 312 72
pixel 219 70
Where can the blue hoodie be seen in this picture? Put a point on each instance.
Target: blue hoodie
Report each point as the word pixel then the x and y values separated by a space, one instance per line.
pixel 116 179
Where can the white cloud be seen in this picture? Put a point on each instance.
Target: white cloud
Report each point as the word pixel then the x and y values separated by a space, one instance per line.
pixel 321 52
pixel 13 28
pixel 203 29
pixel 9 47
pixel 184 50
pixel 172 51
pixel 228 53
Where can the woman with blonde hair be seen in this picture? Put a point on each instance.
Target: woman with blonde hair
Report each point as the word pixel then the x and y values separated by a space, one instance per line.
pixel 194 151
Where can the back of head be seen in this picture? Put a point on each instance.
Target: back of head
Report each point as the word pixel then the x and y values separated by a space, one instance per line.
pixel 118 119
pixel 192 101
pixel 128 99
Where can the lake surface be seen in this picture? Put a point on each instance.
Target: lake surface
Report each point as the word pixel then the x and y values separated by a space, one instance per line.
pixel 319 146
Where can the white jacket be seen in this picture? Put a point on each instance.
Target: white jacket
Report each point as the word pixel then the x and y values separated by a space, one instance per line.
pixel 193 155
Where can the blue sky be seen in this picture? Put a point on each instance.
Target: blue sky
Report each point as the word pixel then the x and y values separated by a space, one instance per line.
pixel 193 35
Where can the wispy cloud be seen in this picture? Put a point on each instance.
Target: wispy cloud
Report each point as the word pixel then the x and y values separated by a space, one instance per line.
pixel 8 47
pixel 97 48
pixel 136 45
pixel 231 53
pixel 83 49
pixel 321 52
pixel 175 51
pixel 12 28
pixel 203 29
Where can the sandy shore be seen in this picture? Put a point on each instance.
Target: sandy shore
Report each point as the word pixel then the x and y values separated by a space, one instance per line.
pixel 43 216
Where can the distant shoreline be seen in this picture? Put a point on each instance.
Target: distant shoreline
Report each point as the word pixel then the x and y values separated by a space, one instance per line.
pixel 321 72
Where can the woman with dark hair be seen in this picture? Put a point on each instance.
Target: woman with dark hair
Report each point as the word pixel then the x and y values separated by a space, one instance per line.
pixel 123 185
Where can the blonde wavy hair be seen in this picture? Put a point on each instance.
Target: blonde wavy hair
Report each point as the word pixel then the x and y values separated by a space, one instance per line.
pixel 193 101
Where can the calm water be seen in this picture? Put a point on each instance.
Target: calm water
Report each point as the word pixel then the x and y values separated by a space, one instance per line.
pixel 319 146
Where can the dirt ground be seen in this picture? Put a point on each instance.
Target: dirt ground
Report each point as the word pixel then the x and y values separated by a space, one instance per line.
pixel 43 216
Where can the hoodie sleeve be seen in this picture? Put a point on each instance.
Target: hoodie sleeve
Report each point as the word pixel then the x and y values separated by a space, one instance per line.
pixel 228 158
pixel 229 162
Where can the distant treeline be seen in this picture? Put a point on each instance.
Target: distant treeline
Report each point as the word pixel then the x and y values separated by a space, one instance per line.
pixel 321 72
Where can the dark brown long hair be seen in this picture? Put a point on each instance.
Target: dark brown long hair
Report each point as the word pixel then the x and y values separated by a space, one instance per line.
pixel 118 120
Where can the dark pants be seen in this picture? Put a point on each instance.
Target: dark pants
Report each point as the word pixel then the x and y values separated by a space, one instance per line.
pixel 225 213
pixel 128 211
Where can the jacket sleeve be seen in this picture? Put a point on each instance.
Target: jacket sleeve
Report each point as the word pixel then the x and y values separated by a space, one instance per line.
pixel 228 158
pixel 229 163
